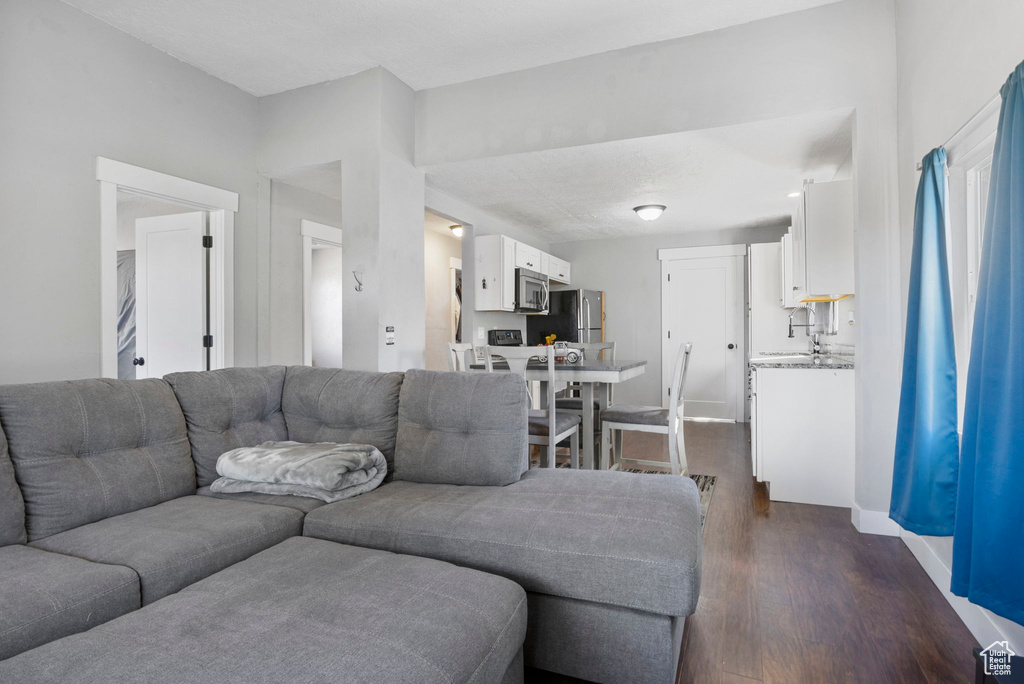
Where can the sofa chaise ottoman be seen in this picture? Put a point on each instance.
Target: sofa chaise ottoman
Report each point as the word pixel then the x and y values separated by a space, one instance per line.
pixel 305 610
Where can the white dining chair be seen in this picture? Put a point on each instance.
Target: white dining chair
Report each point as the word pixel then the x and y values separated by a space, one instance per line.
pixel 459 356
pixel 547 426
pixel 667 421
pixel 591 350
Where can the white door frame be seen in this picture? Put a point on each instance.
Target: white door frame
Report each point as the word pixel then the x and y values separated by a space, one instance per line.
pixel 221 205
pixel 454 264
pixel 671 347
pixel 313 233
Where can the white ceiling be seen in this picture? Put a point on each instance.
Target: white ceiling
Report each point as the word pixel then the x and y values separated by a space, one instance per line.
pixel 729 177
pixel 437 224
pixel 324 179
pixel 269 46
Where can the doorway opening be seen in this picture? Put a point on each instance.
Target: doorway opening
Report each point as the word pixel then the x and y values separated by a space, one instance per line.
pixel 442 254
pixel 166 246
pixel 323 279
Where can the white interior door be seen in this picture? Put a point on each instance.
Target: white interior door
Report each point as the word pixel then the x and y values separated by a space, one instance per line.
pixel 170 308
pixel 703 304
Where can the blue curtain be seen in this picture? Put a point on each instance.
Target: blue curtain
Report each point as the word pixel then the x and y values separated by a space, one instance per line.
pixel 988 545
pixel 927 446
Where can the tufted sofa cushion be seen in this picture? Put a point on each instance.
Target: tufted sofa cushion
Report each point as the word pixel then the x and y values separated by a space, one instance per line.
pixel 343 406
pixel 229 408
pixel 86 450
pixel 12 507
pixel 462 428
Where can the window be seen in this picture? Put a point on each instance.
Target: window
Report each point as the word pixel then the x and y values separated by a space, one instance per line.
pixel 969 159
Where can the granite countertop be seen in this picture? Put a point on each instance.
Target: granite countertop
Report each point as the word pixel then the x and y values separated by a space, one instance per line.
pixel 803 361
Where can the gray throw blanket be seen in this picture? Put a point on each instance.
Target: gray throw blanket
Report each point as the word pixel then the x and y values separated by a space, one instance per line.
pixel 324 470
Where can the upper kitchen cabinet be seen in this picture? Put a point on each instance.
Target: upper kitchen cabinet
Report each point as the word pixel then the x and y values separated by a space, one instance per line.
pixel 497 258
pixel 559 270
pixel 494 280
pixel 527 256
pixel 821 263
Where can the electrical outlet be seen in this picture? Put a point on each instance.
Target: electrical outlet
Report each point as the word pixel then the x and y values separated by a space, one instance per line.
pixel 480 333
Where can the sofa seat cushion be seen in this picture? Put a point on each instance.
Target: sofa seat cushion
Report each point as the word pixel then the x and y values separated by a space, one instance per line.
pixel 227 409
pixel 462 428
pixel 46 596
pixel 91 449
pixel 299 503
pixel 179 542
pixel 304 611
pixel 624 539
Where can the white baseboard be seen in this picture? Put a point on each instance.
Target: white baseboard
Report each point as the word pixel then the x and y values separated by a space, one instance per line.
pixel 873 522
pixel 978 620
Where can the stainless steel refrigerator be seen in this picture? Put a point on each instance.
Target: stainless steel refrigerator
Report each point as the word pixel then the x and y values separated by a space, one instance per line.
pixel 573 316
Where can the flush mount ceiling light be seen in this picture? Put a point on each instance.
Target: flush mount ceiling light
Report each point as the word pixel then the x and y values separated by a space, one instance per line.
pixel 456 230
pixel 649 212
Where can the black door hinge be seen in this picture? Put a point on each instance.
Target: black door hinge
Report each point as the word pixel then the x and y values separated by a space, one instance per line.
pixel 208 241
pixel 207 341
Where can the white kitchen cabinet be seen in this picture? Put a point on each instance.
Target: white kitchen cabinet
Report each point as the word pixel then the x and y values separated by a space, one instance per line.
pixel 803 434
pixel 790 293
pixel 822 240
pixel 560 271
pixel 496 261
pixel 768 323
pixel 494 278
pixel 527 257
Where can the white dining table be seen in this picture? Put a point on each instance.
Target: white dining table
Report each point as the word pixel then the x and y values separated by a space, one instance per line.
pixel 595 377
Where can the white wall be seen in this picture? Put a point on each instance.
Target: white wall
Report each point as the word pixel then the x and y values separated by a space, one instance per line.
pixel 327 283
pixel 953 58
pixel 629 272
pixel 438 251
pixel 366 122
pixel 74 88
pixel 289 205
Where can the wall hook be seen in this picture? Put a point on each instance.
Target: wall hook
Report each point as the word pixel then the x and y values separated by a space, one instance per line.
pixel 359 280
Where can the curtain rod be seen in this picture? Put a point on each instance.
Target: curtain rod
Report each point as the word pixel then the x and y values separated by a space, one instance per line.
pixel 974 117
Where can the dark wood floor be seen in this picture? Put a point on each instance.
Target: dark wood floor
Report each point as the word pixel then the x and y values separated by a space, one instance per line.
pixel 793 593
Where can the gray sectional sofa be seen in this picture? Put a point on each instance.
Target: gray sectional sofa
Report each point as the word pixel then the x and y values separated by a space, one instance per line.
pixel 117 562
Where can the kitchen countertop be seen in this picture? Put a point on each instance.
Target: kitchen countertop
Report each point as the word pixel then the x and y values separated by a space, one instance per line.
pixel 803 361
pixel 584 365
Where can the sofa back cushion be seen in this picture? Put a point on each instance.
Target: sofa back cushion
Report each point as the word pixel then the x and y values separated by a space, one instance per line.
pixel 91 449
pixel 227 409
pixel 343 406
pixel 462 428
pixel 12 507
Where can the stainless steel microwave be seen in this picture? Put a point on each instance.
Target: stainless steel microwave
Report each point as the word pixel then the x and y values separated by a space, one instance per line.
pixel 532 292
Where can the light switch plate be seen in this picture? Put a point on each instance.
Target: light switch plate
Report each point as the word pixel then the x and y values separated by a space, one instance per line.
pixel 389 335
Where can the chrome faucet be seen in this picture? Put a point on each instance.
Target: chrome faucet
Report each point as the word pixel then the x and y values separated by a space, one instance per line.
pixel 810 319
